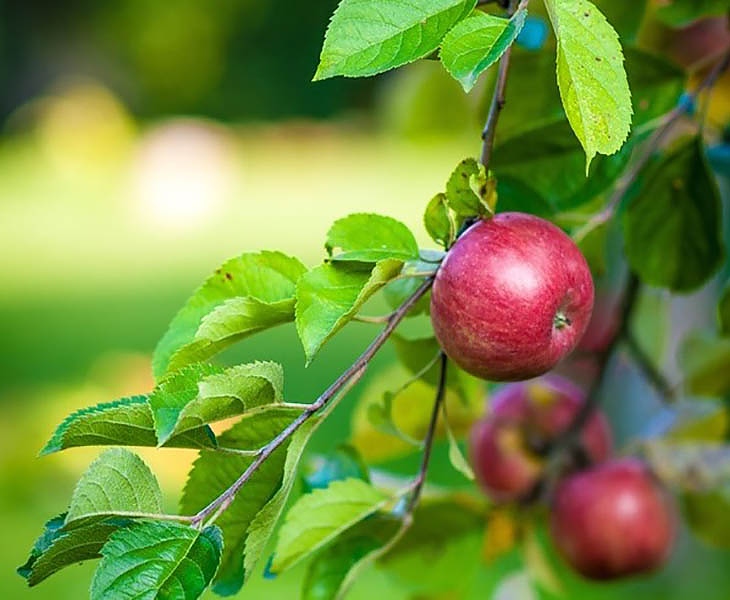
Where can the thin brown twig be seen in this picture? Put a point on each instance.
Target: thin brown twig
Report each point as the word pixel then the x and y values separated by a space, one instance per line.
pixel 499 94
pixel 224 500
pixel 429 439
pixel 655 377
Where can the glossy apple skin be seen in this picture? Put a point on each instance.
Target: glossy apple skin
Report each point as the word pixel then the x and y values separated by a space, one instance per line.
pixel 613 520
pixel 501 292
pixel 522 416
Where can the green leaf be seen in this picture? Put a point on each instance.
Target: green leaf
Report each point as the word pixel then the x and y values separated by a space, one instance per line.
pixel 469 190
pixel 200 394
pixel 263 524
pixel 538 161
pixel 476 43
pixel 380 416
pixel 706 513
pixel 116 483
pixel 124 422
pixel 320 516
pixel 334 568
pixel 58 548
pixel 367 237
pixel 343 463
pixel 672 223
pixel 157 560
pixel 680 13
pixel 456 456
pixel 704 360
pixel 723 311
pixel 398 291
pixel 266 279
pixel 366 37
pixel 593 85
pixel 328 296
pixel 438 222
pixel 214 472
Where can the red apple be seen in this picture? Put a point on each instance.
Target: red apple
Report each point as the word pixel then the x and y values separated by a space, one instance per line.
pixel 613 520
pixel 523 417
pixel 512 297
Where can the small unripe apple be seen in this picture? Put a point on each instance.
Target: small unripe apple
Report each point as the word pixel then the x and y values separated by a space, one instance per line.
pixel 505 446
pixel 613 520
pixel 512 297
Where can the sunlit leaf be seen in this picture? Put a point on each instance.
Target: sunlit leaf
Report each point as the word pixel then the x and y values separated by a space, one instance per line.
pixel 118 482
pixel 476 43
pixel 266 279
pixel 320 516
pixel 331 294
pixel 124 422
pixel 369 238
pixel 593 85
pixel 366 37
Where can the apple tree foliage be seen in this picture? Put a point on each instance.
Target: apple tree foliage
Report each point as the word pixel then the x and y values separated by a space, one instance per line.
pixel 587 140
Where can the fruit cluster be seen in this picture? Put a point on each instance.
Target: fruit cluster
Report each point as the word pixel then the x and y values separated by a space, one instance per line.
pixel 513 297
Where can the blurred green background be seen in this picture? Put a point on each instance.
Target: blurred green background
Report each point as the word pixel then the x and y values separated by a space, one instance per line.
pixel 143 143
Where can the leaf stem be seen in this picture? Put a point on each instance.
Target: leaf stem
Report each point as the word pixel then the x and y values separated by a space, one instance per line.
pixel 429 439
pixel 351 375
pixel 498 96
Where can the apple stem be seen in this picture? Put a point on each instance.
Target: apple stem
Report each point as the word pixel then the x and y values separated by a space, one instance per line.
pixel 420 479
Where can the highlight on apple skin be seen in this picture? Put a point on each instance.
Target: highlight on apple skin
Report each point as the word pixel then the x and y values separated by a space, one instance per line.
pixel 613 520
pixel 513 296
pixel 524 417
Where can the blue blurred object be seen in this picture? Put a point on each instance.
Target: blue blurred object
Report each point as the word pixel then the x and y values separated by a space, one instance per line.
pixel 268 573
pixel 687 103
pixel 533 34
pixel 343 463
pixel 719 158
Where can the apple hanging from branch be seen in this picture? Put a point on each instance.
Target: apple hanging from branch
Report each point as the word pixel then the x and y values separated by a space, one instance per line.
pixel 513 296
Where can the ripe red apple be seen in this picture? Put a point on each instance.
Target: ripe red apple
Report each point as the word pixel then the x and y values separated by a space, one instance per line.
pixel 613 520
pixel 512 297
pixel 523 417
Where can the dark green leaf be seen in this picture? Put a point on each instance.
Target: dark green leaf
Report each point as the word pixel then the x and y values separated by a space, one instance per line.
pixel 266 280
pixel 58 548
pixel 200 394
pixel 438 221
pixel 124 422
pixel 723 311
pixel 214 472
pixel 704 360
pixel 118 482
pixel 679 13
pixel 369 238
pixel 331 294
pixel 672 222
pixel 625 16
pixel 476 43
pixel 334 568
pixel 706 513
pixel 366 37
pixel 157 560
